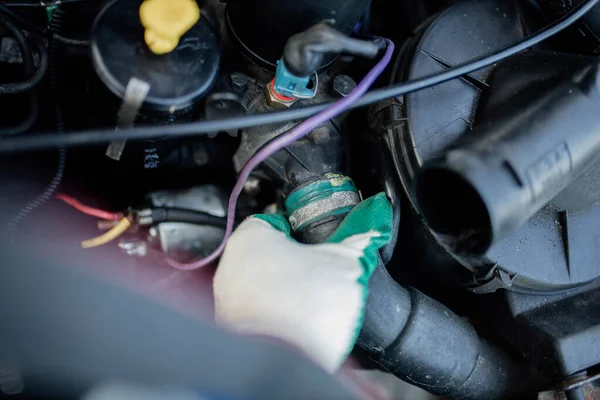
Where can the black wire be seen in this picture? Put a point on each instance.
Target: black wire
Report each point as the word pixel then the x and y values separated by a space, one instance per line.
pixel 96 136
pixel 56 180
pixel 29 84
pixel 477 63
pixel 29 67
pixel 163 214
pixel 22 42
pixel 70 41
pixel 27 123
pixel 40 31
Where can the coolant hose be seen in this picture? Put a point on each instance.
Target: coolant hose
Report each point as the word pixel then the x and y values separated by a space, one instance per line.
pixel 425 344
pixel 405 332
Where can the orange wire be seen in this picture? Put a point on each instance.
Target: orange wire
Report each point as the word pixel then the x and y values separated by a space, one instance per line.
pixel 94 212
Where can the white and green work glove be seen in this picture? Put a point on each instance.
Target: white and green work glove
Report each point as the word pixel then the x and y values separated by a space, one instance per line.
pixel 312 296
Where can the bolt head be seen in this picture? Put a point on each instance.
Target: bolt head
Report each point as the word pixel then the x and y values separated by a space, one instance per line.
pixel 238 81
pixel 274 102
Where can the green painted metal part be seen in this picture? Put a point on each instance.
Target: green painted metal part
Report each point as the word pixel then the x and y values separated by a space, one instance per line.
pixel 318 190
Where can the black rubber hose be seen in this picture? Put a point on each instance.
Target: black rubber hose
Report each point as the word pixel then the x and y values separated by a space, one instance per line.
pixel 71 42
pixel 160 215
pixel 52 187
pixel 304 52
pixel 32 82
pixel 25 49
pixel 424 343
pixel 29 67
pixel 27 123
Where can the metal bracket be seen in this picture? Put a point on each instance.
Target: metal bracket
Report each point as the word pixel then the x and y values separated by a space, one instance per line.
pixel 135 94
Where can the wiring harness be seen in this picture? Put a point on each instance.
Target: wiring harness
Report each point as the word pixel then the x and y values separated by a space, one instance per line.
pixel 96 136
pixel 316 114
pixel 52 187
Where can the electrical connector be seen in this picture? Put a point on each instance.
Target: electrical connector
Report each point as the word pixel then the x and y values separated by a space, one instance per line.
pixel 290 85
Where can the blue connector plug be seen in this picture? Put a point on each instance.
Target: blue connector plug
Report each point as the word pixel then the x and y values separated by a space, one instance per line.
pixel 290 85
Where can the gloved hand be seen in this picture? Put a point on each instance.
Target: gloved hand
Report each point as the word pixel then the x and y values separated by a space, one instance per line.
pixel 312 296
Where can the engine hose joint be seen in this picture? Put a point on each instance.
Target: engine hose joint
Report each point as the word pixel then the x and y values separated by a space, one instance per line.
pixel 333 194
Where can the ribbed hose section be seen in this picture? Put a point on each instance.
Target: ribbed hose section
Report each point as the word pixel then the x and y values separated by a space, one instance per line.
pixel 54 50
pixel 70 42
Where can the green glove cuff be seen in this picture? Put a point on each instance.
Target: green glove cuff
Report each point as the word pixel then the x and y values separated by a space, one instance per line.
pixel 373 214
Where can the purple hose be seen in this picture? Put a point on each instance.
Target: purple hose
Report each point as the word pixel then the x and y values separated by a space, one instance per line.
pixel 282 141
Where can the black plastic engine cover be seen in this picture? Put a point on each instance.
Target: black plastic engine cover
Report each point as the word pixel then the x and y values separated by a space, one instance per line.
pixel 554 249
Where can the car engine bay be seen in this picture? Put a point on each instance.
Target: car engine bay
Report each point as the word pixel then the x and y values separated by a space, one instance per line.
pixel 476 118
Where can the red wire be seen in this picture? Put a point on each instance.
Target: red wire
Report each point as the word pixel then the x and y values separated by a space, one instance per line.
pixel 94 212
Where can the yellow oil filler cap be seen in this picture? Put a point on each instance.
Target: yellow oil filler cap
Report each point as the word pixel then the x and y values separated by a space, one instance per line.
pixel 166 21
